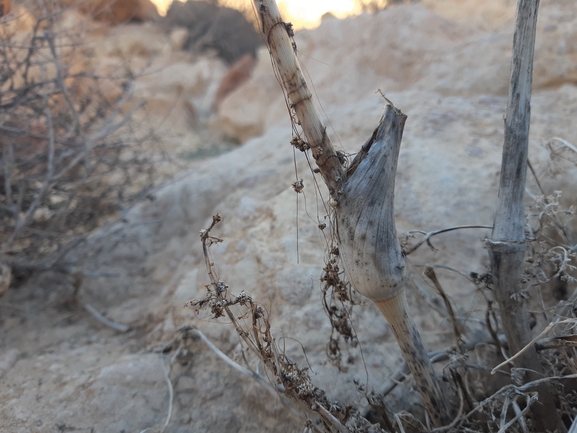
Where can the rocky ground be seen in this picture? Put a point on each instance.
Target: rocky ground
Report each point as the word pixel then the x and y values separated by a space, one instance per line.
pixel 62 370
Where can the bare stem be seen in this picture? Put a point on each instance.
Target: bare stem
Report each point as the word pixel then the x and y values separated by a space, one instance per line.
pixel 507 244
pixel 396 311
pixel 278 37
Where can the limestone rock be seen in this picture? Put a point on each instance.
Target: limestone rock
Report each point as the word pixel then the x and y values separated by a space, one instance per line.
pixel 130 41
pixel 408 47
pixel 66 372
pixel 489 15
pixel 178 37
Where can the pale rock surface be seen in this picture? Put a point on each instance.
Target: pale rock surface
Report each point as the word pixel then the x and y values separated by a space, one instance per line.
pixel 176 88
pixel 448 174
pixel 70 372
pixel 414 49
pixel 238 74
pixel 178 37
pixel 487 15
pixel 128 41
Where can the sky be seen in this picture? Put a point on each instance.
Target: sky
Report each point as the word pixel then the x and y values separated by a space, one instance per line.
pixel 302 13
pixel 307 13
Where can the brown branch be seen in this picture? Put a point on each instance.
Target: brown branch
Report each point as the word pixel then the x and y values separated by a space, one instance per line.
pixel 457 329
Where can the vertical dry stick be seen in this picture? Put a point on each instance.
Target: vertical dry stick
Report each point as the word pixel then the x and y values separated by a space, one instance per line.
pixel 293 82
pixel 363 202
pixel 507 244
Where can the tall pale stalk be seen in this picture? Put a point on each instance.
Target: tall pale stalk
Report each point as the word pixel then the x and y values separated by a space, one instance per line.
pixel 507 245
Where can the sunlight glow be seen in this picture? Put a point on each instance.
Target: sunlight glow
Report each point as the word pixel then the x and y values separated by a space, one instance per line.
pixel 302 13
pixel 308 13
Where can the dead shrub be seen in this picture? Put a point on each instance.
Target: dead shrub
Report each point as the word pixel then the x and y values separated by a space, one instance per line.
pixel 213 27
pixel 71 155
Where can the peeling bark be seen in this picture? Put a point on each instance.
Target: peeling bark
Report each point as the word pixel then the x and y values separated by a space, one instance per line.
pixel 371 253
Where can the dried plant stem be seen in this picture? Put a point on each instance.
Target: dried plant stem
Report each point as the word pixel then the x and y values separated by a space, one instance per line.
pixel 573 428
pixel 428 235
pixel 507 244
pixel 531 344
pixel 112 325
pixel 371 253
pixel 519 416
pixel 244 371
pixel 278 37
pixel 396 311
pixel 170 393
pixel 362 198
pixel 457 328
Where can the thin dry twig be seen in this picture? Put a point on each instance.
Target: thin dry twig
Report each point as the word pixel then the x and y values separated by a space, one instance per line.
pixel 431 275
pixel 532 343
pixel 519 413
pixel 399 423
pixel 565 143
pixel 244 371
pixel 334 422
pixel 170 392
pixel 573 428
pixel 53 120
pixel 428 235
pixel 519 416
pixel 295 382
pixel 112 325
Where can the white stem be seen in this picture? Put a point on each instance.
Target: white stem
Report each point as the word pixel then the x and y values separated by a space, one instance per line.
pixel 396 311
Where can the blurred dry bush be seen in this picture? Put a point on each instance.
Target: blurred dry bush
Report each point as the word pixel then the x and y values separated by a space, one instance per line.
pixel 71 155
pixel 214 27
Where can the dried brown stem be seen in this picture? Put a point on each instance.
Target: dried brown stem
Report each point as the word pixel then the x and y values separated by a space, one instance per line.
pixel 292 81
pixel 431 275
